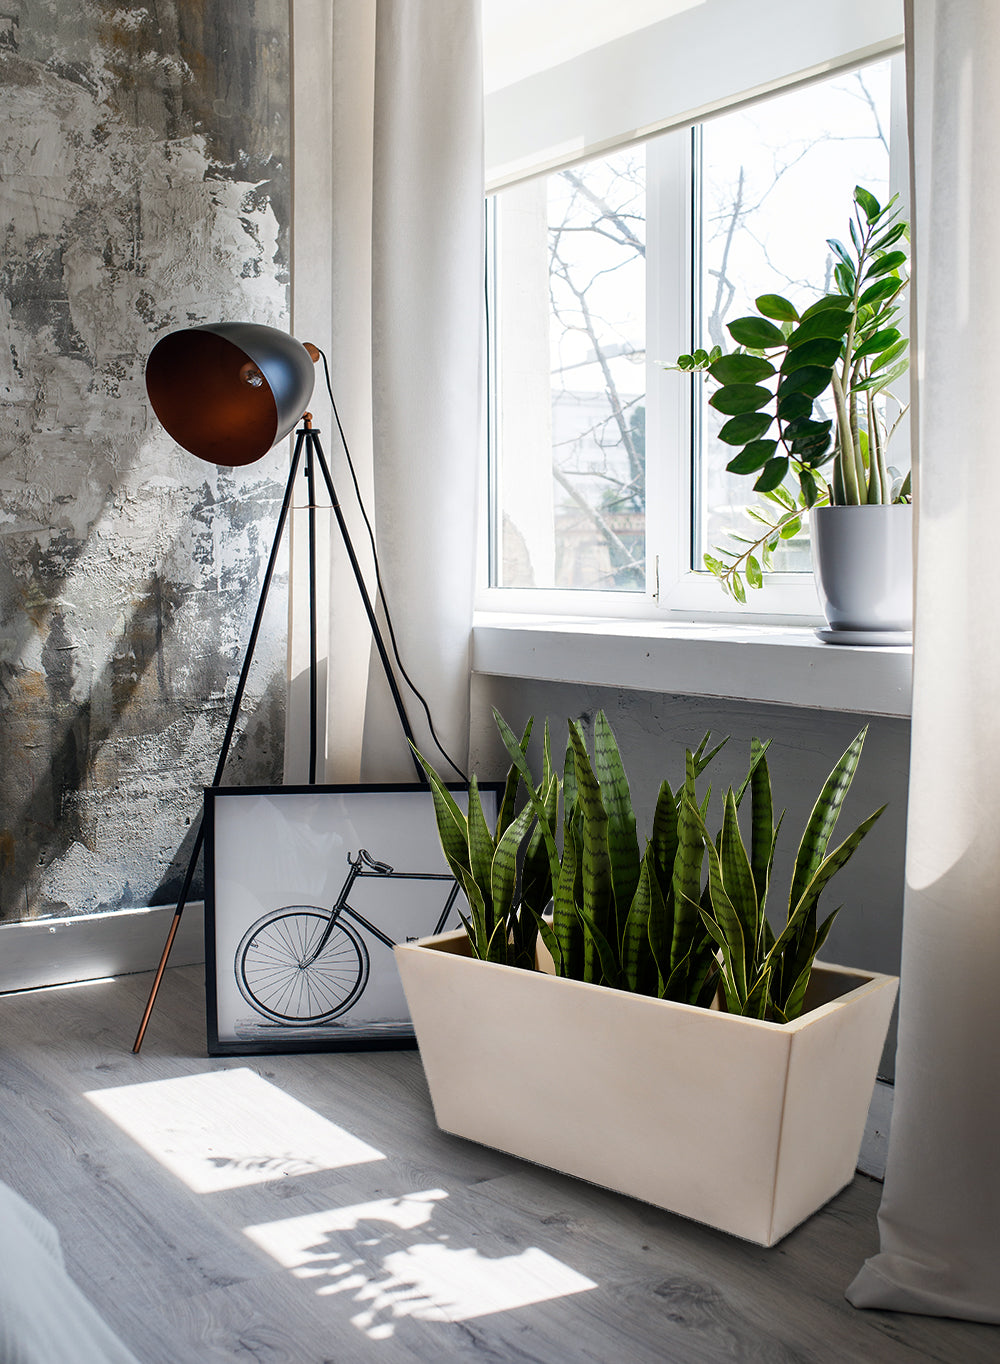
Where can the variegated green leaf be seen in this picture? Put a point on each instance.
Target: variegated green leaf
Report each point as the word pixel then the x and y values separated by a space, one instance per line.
pixel 623 845
pixel 701 758
pixel 508 802
pixel 453 827
pixel 602 965
pixel 737 875
pixel 503 873
pixel 727 975
pixel 565 920
pixel 663 836
pixel 521 764
pixel 725 916
pixel 480 838
pixel 688 860
pixel 598 892
pixel 823 818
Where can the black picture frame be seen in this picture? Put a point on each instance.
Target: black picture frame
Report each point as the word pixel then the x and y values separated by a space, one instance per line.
pixel 281 863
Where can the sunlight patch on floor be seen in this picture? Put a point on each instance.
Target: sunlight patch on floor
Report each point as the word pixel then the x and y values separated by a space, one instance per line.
pixel 228 1128
pixel 393 1261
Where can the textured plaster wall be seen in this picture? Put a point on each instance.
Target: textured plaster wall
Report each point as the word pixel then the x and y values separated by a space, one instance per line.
pixel 144 185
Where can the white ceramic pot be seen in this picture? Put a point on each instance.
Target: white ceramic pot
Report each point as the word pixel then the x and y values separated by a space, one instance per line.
pixel 863 566
pixel 747 1126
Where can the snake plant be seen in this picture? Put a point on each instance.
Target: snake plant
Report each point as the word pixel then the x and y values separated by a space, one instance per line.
pixel 644 921
pixel 845 349
pixel 764 975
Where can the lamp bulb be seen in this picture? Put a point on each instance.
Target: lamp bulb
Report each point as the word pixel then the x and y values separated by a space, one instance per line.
pixel 251 375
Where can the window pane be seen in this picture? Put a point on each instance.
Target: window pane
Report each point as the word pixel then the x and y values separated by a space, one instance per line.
pixel 777 179
pixel 571 356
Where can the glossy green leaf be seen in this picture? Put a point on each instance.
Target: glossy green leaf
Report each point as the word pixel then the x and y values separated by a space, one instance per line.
pixel 839 249
pixel 822 350
pixel 877 342
pixel 867 202
pixel 752 457
pixel 737 398
pixel 882 289
pixel 739 591
pixel 754 576
pixel 828 303
pixel 844 278
pixel 892 260
pixel 883 378
pixel 812 380
pixel 756 332
pixel 773 305
pixel 890 354
pixel 828 323
pixel 774 473
pixel 744 428
pixel 792 406
pixel 790 529
pixel 888 238
pixel 739 368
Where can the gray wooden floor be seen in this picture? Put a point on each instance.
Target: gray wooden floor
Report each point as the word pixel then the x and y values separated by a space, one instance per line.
pixel 306 1209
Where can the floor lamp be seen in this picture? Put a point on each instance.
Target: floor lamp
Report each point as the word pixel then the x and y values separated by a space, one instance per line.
pixel 228 392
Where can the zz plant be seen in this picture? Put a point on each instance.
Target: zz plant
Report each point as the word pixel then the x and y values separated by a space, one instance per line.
pixel 648 922
pixel 845 351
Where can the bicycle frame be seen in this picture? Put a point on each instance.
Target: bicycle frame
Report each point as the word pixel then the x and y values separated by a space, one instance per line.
pixel 365 865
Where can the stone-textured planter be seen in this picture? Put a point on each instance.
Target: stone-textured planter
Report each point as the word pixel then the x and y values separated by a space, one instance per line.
pixel 747 1126
pixel 863 566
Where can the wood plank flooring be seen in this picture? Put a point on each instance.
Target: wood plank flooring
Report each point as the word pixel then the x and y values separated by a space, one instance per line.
pixel 306 1210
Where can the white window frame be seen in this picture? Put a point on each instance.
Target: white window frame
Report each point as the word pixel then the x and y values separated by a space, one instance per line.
pixel 674 590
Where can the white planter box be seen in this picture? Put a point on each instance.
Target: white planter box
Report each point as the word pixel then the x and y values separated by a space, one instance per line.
pixel 747 1126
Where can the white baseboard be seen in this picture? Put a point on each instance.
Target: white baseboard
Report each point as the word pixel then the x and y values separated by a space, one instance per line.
pixel 875 1143
pixel 40 952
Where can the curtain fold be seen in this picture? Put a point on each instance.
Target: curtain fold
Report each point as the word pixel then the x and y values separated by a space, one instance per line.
pixel 403 226
pixel 939 1222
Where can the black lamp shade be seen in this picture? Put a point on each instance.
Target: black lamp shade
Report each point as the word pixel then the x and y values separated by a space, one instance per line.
pixel 229 391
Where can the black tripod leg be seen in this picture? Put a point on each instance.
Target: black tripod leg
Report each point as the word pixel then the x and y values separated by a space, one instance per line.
pixel 228 738
pixel 366 599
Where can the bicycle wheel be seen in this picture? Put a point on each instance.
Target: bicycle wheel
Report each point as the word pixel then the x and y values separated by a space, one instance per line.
pixel 276 977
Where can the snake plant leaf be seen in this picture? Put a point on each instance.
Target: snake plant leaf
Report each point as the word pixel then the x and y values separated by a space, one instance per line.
pixel 496 948
pixel 727 975
pixel 758 997
pixel 832 863
pixel 536 871
pixel 823 819
pixel 663 835
pixel 602 967
pixel 503 873
pixel 453 826
pixel 639 969
pixel 746 427
pixel 547 934
pixel 509 799
pixel 762 830
pixel 734 399
pixel 725 917
pixel 688 861
pixel 752 457
pixel 773 305
pixel 481 846
pixel 623 844
pixel 570 799
pixel 566 922
pixel 740 368
pixel 755 332
pixel 737 874
pixel 598 892
pixel 791 1007
pixel 481 929
pixel 757 751
pixel 521 764
pixel 701 758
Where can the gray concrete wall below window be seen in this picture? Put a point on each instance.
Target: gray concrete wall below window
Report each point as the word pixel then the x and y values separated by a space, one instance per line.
pixel 653 730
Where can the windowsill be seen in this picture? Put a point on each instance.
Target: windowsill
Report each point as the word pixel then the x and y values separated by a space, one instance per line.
pixel 782 664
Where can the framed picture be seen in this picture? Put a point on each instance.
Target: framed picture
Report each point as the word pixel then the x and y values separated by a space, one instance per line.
pixel 307 889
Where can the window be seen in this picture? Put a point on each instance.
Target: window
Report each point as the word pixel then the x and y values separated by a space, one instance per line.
pixel 606 473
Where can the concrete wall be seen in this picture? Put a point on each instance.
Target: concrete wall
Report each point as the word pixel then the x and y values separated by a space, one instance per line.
pixel 144 186
pixel 653 730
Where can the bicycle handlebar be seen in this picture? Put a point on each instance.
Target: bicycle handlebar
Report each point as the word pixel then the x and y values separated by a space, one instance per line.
pixel 364 856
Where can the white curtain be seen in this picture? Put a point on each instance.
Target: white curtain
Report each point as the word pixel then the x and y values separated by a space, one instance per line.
pixel 389 204
pixel 940 1216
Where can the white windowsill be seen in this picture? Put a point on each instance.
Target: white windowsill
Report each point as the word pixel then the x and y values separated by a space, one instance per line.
pixel 782 664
